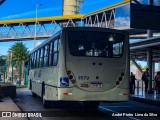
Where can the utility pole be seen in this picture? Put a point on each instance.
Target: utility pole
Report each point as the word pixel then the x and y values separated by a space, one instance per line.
pixel 35 32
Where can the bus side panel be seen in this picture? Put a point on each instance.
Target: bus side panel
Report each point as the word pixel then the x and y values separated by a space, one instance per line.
pixel 125 81
pixel 62 70
pixel 76 94
pixel 36 87
pixel 51 93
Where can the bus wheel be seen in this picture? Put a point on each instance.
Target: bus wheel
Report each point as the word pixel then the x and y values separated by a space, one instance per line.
pixel 91 105
pixel 30 85
pixel 46 104
pixel 34 95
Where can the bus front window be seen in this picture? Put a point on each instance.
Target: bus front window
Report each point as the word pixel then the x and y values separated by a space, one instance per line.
pixel 96 44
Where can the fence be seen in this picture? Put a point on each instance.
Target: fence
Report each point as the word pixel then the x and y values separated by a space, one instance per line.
pixel 140 86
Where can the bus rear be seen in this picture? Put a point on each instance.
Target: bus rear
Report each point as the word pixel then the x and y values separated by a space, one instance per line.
pixel 97 65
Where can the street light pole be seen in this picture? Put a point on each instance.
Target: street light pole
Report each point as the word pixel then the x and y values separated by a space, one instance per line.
pixel 12 66
pixel 35 32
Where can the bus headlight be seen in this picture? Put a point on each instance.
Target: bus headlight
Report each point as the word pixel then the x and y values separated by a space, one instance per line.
pixel 71 77
pixel 120 78
pixel 122 74
pixel 117 83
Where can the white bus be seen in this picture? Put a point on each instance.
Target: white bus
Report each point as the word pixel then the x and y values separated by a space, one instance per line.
pixel 81 64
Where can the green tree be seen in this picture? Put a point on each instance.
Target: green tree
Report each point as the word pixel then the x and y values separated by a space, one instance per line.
pixel 20 53
pixel 143 68
pixel 3 69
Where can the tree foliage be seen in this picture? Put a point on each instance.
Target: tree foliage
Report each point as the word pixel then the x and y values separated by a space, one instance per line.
pixel 19 52
pixel 143 68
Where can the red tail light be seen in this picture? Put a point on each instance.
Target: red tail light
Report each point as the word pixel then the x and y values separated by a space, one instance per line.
pixel 71 76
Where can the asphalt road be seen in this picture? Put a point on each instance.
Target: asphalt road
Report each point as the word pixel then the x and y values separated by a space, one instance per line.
pixel 75 111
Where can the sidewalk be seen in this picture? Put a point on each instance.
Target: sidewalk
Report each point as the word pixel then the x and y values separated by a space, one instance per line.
pixel 8 105
pixel 141 96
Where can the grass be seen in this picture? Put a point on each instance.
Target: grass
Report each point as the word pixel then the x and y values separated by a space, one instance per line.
pixel 22 86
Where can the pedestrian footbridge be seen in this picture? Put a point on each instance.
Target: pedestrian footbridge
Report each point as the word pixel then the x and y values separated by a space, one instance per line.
pixel 129 15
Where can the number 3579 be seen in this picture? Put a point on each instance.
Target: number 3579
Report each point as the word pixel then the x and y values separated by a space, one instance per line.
pixel 83 77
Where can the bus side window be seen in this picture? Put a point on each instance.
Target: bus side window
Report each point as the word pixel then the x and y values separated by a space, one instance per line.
pixel 32 60
pixel 59 43
pixel 37 63
pixel 35 59
pixel 55 53
pixel 41 57
pixel 46 51
pixel 51 54
pixel 117 49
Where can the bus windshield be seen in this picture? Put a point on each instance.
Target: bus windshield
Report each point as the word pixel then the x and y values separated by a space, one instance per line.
pixel 96 44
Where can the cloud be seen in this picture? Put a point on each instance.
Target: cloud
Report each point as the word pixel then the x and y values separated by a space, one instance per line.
pixel 38 43
pixel 31 13
pixel 122 22
pixel 89 3
pixel 18 15
pixel 30 49
pixel 3 50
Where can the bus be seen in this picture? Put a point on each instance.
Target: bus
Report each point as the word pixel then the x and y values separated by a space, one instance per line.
pixel 86 64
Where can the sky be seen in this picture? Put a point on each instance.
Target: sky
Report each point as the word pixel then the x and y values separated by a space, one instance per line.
pixel 14 9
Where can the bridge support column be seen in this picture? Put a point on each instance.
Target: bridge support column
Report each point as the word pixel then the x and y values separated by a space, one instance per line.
pixel 149 33
pixel 149 57
pixel 158 2
pixel 150 2
pixel 153 74
pixel 149 65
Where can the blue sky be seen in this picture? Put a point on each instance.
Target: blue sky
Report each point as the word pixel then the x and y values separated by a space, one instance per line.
pixel 26 9
pixel 13 9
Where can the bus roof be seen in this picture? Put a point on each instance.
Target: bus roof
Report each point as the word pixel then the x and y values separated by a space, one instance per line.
pixel 46 41
pixel 74 28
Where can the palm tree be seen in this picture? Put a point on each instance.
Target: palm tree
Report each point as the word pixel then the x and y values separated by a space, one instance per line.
pixel 20 53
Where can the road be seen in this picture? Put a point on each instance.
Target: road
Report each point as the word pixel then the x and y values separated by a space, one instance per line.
pixel 75 111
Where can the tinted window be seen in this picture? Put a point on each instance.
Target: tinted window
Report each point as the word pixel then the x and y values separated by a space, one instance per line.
pixel 51 54
pixel 96 44
pixel 38 58
pixel 55 53
pixel 32 60
pixel 46 53
pixel 41 57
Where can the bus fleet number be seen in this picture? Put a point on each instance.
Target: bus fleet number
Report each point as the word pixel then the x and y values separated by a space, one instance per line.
pixel 83 77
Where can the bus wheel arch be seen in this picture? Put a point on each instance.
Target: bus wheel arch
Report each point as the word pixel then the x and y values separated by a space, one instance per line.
pixel 43 89
pixel 46 104
pixel 30 85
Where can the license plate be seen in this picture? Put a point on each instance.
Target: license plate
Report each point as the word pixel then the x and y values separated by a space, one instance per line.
pixel 96 85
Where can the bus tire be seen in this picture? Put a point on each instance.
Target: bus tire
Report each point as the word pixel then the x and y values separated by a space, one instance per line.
pixel 46 104
pixel 30 85
pixel 34 94
pixel 93 105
